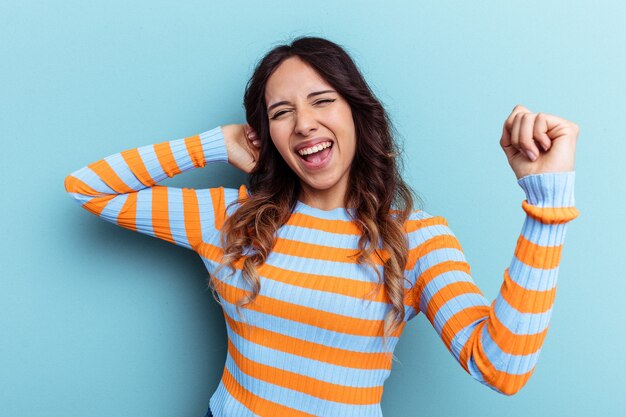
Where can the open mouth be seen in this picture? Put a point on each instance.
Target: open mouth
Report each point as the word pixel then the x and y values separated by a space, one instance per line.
pixel 316 155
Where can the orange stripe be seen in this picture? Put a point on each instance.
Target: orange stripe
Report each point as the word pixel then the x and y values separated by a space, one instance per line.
pixel 330 226
pixel 537 256
pixel 326 283
pixel 459 321
pixel 97 204
pixel 208 251
pixel 166 158
pixel 434 243
pixel 192 217
pixel 195 151
pixel 305 384
pixel 449 292
pixel 110 178
pixel 326 253
pixel 514 344
pixel 259 406
pixel 243 192
pixel 128 214
pixel 413 225
pixel 307 315
pixel 433 272
pixel 550 215
pixel 160 214
pixel 74 185
pixel 219 209
pixel 135 164
pixel 311 350
pixel 524 300
pixel 505 382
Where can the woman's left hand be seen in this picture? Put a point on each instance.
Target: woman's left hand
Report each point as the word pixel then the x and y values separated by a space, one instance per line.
pixel 535 143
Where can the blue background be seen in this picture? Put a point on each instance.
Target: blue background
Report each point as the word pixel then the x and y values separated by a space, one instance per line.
pixel 99 321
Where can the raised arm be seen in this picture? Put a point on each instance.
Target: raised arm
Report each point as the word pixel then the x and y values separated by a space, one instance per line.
pixel 122 188
pixel 498 344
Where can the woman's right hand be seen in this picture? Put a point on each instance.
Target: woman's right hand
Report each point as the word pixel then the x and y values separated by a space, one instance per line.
pixel 242 146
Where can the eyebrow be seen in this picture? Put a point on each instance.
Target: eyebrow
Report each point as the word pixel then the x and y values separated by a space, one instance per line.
pixel 315 93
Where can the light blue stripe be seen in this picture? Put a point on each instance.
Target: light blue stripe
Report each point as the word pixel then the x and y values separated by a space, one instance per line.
pixel 437 256
pixel 534 279
pixel 119 166
pixel 214 145
pixel 144 212
pixel 207 217
pixel 520 323
pixel 82 199
pixel 505 362
pixel 90 178
pixel 417 215
pixel 420 236
pixel 409 312
pixel 151 162
pixel 441 281
pixel 322 371
pixel 352 307
pixel 222 400
pixel 318 237
pixel 549 189
pixel 455 305
pixel 181 156
pixel 543 234
pixel 309 333
pixel 339 213
pixel 176 216
pixel 231 195
pixel 298 400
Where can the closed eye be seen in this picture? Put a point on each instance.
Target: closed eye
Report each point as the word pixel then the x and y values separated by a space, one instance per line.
pixel 325 100
pixel 278 113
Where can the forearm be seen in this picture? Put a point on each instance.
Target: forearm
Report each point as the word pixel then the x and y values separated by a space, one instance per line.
pixel 506 346
pixel 136 169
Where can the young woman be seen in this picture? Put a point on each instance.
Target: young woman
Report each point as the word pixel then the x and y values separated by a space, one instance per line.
pixel 320 263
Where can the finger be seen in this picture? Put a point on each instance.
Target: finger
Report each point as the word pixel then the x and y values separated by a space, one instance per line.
pixel 516 110
pixel 517 121
pixel 557 127
pixel 539 131
pixel 256 143
pixel 526 141
pixel 505 143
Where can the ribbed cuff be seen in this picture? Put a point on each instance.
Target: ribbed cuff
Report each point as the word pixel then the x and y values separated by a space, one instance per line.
pixel 550 189
pixel 214 145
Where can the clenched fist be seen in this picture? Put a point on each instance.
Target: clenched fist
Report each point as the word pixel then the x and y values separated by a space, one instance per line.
pixel 536 143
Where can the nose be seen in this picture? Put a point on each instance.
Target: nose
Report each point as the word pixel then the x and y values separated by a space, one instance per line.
pixel 306 122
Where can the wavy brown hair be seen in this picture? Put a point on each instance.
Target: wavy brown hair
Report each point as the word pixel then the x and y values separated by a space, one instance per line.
pixel 375 184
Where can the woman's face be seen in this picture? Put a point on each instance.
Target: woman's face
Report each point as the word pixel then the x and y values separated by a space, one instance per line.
pixel 311 126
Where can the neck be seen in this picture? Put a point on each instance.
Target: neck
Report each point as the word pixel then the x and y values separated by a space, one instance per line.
pixel 322 199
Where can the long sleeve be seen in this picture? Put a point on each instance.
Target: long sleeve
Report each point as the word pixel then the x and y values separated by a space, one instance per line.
pixel 122 188
pixel 497 343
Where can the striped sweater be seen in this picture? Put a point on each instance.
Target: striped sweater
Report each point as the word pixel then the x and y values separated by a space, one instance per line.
pixel 311 343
